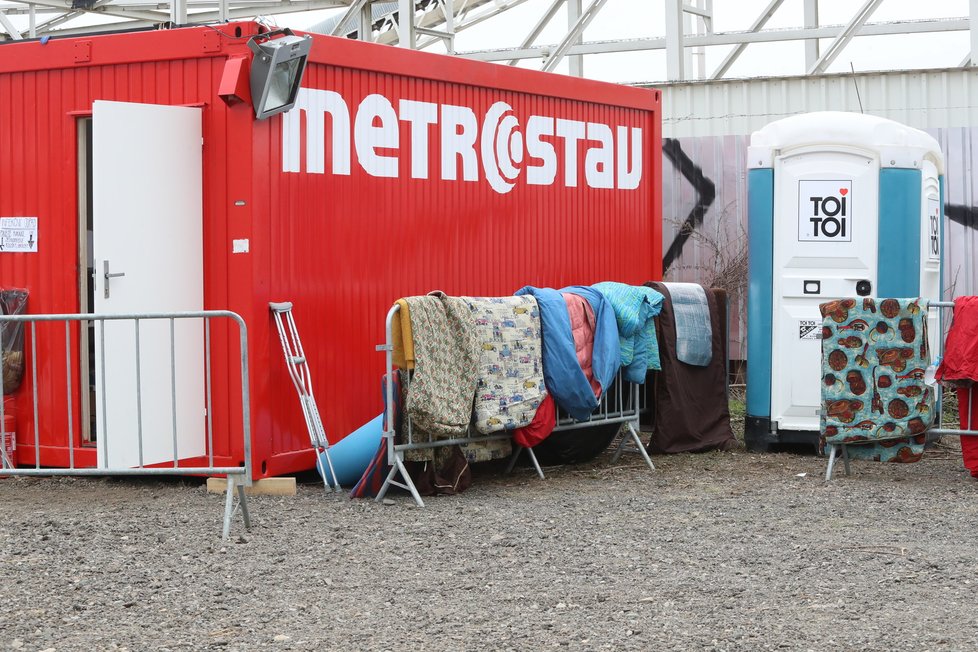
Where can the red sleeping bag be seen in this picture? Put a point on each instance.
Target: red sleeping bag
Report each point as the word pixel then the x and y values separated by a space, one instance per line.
pixel 960 363
pixel 960 360
pixel 968 411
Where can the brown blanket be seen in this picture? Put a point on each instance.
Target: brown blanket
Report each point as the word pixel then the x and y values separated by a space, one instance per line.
pixel 690 402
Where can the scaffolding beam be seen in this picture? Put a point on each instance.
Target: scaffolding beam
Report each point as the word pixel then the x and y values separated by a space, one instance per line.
pixel 9 27
pixel 575 62
pixel 727 38
pixel 811 21
pixel 760 22
pixel 845 36
pixel 675 37
pixel 575 33
pixel 540 25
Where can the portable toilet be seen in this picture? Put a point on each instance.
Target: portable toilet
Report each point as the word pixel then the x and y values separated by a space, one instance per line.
pixel 839 205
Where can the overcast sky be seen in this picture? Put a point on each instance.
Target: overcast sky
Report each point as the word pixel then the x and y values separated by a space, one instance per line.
pixel 625 19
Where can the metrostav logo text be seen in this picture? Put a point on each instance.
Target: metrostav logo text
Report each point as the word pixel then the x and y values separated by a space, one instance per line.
pixel 505 149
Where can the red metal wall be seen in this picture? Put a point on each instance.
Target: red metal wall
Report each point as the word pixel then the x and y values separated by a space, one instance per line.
pixel 44 90
pixel 341 247
pixel 344 247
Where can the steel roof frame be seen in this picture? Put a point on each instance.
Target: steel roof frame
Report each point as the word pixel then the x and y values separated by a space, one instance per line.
pixel 420 24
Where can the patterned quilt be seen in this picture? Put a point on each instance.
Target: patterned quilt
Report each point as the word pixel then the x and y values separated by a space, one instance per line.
pixel 439 400
pixel 874 400
pixel 510 385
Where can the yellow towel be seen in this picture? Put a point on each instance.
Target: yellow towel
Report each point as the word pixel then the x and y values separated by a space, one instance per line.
pixel 403 337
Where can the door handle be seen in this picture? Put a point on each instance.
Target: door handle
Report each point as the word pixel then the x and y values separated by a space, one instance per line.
pixel 108 276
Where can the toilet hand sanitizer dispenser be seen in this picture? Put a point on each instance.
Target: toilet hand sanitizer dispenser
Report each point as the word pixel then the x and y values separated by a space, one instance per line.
pixel 839 205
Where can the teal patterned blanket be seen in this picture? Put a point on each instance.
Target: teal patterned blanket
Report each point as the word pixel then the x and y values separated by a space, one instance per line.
pixel 874 400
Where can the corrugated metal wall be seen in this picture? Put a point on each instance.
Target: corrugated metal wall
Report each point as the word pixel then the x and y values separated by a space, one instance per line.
pixel 707 127
pixel 343 248
pixel 925 99
pixel 39 114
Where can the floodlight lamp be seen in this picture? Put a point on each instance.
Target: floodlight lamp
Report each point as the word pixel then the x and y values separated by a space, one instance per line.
pixel 276 71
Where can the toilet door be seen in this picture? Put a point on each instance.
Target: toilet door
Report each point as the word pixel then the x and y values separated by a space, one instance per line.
pixel 825 246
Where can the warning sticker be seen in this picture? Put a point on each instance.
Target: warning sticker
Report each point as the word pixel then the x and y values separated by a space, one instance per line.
pixel 18 235
pixel 809 329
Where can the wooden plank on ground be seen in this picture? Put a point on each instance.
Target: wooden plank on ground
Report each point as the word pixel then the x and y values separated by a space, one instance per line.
pixel 263 487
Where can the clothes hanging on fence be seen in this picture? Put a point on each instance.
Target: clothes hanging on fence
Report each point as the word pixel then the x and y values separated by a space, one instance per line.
pixel 12 302
pixel 690 410
pixel 402 336
pixel 960 360
pixel 510 381
pixel 563 376
pixel 960 364
pixel 635 309
pixel 874 400
pixel 540 428
pixel 694 333
pixel 606 352
pixel 439 399
pixel 582 330
pixel 373 477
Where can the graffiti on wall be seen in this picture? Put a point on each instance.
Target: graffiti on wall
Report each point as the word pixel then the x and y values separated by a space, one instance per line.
pixel 705 193
pixel 702 185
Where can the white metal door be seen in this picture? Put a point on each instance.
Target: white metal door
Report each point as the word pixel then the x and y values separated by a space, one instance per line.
pixel 147 225
pixel 825 242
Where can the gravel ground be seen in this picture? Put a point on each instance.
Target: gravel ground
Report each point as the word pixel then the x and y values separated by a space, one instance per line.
pixel 719 551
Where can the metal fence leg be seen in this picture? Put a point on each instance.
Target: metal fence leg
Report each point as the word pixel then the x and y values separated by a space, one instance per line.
pixel 512 459
pixel 408 485
pixel 5 463
pixel 533 458
pixel 243 505
pixel 828 468
pixel 536 465
pixel 228 508
pixel 641 446
pixel 620 449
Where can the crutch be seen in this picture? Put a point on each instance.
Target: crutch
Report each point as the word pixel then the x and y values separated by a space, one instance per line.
pixel 295 359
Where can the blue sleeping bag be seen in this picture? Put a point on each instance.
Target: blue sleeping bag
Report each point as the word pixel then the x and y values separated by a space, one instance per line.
pixel 562 374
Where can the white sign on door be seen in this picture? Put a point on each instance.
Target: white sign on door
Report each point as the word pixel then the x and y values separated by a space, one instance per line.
pixel 809 329
pixel 933 228
pixel 825 210
pixel 18 234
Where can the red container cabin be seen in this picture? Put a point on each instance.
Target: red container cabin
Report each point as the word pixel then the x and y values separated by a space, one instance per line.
pixel 397 172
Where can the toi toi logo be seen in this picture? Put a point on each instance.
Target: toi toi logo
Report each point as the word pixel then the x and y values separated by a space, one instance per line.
pixel 824 211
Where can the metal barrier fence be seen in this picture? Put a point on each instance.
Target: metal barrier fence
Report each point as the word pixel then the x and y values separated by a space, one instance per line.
pixel 840 450
pixel 203 462
pixel 621 403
